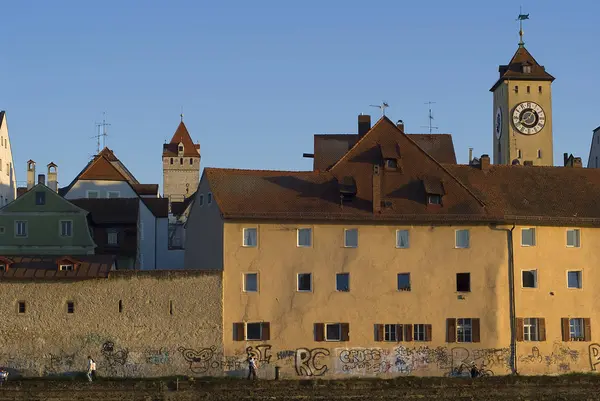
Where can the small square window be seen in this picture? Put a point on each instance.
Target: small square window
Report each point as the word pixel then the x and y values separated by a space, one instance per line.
pixel 251 282
pixel 112 238
pixel 209 198
pixel 403 281
pixel 40 198
pixel 342 282
pixel 574 279
pixel 390 332
pixel 304 283
pixel 463 282
pixel 529 278
pixel 528 237
pixel 573 238
pixel 351 238
pixel 333 332
pixel 113 194
pixel 304 237
pixel 92 194
pixel 433 199
pixel 461 239
pixel 402 239
pixel 250 239
pixel 21 307
pixel 70 307
pixel 253 331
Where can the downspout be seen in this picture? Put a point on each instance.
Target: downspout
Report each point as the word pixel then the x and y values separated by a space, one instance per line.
pixel 155 240
pixel 511 297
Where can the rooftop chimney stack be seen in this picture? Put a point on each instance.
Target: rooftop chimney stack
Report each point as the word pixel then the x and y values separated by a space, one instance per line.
pixel 400 125
pixel 52 176
pixel 364 125
pixel 484 162
pixel 470 155
pixel 41 179
pixel 30 174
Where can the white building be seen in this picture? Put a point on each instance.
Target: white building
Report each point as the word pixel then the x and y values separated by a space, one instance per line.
pixel 8 184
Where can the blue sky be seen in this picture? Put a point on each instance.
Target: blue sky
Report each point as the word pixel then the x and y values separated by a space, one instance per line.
pixel 257 79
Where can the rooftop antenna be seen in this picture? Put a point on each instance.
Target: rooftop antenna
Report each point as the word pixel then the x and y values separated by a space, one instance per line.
pixel 181 115
pixel 102 133
pixel 430 116
pixel 522 17
pixel 382 107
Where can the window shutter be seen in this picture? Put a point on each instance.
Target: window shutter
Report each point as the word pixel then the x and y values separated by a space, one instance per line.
pixel 476 331
pixel 541 329
pixel 345 331
pixel 238 332
pixel 564 324
pixel 428 332
pixel 266 331
pixel 379 332
pixel 408 334
pixel 587 329
pixel 450 330
pixel 520 329
pixel 399 333
pixel 319 332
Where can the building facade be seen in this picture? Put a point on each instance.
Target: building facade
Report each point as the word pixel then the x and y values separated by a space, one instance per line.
pixel 594 158
pixel 8 181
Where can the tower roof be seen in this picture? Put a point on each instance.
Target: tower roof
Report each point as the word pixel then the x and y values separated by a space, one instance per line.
pixel 515 69
pixel 181 135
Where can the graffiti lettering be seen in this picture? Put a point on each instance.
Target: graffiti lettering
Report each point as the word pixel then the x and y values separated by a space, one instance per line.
pixel 308 361
pixel 594 355
pixel 260 353
pixel 285 354
pixel 157 357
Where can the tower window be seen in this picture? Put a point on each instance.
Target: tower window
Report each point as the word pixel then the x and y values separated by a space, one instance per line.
pixel 181 148
pixel 516 88
pixel 527 69
pixel 528 89
pixel 539 153
pixel 181 160
pixel 519 154
pixel 540 89
pixel 191 161
pixel 171 160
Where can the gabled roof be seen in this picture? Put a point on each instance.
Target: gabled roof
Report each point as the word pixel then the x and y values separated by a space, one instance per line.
pixel 514 69
pixel 27 202
pixel 181 135
pixel 2 115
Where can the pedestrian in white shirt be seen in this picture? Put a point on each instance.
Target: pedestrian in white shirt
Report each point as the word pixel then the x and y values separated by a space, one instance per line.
pixel 91 370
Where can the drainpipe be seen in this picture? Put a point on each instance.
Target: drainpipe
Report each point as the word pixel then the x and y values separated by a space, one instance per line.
pixel 155 239
pixel 511 297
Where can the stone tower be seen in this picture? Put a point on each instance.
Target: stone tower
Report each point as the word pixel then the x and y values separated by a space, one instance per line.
pixel 522 129
pixel 181 166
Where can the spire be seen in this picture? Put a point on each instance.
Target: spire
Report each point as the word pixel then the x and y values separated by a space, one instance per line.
pixel 522 17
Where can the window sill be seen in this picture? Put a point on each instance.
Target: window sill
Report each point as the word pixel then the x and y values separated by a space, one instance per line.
pixel 304 291
pixel 462 247
pixel 333 341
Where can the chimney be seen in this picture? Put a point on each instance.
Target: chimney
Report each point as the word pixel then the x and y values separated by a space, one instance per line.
pixel 364 125
pixel 400 125
pixel 376 189
pixel 470 155
pixel 577 162
pixel 41 179
pixel 528 163
pixel 484 162
pixel 30 174
pixel 52 176
pixel 565 158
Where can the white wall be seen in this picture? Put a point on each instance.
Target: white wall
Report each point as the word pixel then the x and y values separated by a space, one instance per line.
pixel 80 188
pixel 167 259
pixel 146 238
pixel 8 181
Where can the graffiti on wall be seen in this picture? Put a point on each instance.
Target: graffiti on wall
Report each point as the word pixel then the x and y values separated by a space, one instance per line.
pixel 260 352
pixel 561 357
pixel 594 350
pixel 157 357
pixel 309 362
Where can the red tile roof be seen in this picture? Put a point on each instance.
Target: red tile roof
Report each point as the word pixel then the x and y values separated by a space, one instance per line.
pixel 46 268
pixel 514 69
pixel 181 135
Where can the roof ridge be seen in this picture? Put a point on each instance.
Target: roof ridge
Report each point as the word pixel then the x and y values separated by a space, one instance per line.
pixel 209 169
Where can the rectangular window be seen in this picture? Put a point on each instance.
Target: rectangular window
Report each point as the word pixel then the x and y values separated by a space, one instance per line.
pixel 403 281
pixel 40 198
pixel 539 89
pixel 2 267
pixel 92 194
pixel 528 237
pixel 253 331
pixel 464 330
pixel 529 278
pixel 21 228
pixel 530 329
pixel 65 268
pixel 70 307
pixel 251 282
pixel 333 332
pixel 304 237
pixel 21 307
pixel 433 199
pixel 209 198
pixel 390 332
pixel 250 235
pixel 402 239
pixel 201 199
pixel 112 238
pixel 351 238
pixel 66 228
pixel 463 282
pixel 342 282
pixel 574 279
pixel 573 238
pixel 516 89
pixel 462 239
pixel 113 194
pixel 304 283
pixel 576 329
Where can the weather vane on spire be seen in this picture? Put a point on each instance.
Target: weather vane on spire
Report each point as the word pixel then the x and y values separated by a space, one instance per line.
pixel 522 17
pixel 181 115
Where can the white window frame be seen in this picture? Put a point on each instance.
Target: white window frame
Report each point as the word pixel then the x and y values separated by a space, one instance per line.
pixel 244 237
pixel 260 334
pixel 465 325
pixel 534 238
pixel 336 283
pixel 298 282
pixel 110 235
pixel 409 282
pixel 407 239
pixel 573 329
pixel 531 329
pixel 456 234
pixel 580 279
pixel 535 280
pixel 298 237
pixel 244 287
pixel 387 332
pixel 66 268
pixel 419 332
pixel 60 228
pixel 113 192
pixel 25 229
pixel 87 193
pixel 577 232
pixel 339 330
pixel 346 231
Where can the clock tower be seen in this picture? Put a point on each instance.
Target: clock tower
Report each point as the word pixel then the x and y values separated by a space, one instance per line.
pixel 522 130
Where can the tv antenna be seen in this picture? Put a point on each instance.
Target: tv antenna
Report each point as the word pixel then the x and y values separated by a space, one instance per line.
pixel 102 133
pixel 381 107
pixel 430 116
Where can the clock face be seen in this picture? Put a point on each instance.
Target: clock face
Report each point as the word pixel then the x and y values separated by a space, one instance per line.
pixel 498 123
pixel 528 118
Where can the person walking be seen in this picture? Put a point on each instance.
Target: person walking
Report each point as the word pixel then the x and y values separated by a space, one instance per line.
pixel 251 367
pixel 91 370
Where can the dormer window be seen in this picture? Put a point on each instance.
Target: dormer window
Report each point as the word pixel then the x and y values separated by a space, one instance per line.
pixel 181 148
pixel 3 267
pixel 434 190
pixel 390 153
pixel 526 69
pixel 391 164
pixel 65 268
pixel 67 264
pixel 347 188
pixel 433 199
